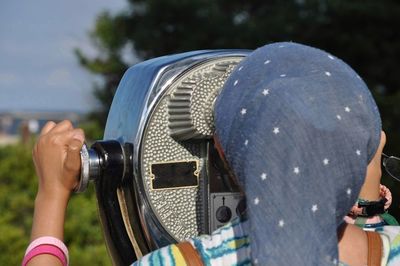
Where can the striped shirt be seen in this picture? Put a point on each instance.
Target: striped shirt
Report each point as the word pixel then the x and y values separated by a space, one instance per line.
pixel 228 245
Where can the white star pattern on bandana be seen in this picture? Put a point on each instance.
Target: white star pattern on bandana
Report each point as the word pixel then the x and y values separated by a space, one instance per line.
pixel 281 223
pixel 314 208
pixel 328 73
pixel 296 170
pixel 256 201
pixel 276 130
pixel 358 152
pixel 263 176
pixel 326 161
pixel 243 111
pixel 267 62
pixel 347 109
pixel 265 92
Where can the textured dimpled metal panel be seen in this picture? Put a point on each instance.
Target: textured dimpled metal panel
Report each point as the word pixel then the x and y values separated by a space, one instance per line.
pixel 183 115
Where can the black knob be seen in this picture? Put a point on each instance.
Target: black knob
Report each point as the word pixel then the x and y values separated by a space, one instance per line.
pixel 109 159
pixel 223 214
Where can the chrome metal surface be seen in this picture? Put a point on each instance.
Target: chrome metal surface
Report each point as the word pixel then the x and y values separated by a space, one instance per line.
pixel 90 168
pixel 84 176
pixel 163 108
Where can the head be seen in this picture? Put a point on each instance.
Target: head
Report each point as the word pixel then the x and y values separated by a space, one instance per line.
pixel 298 127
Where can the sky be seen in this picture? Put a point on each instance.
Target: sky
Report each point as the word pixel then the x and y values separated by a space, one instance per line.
pixel 38 68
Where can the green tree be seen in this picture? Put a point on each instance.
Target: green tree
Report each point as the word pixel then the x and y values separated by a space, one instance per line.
pixel 362 33
pixel 18 186
pixel 17 192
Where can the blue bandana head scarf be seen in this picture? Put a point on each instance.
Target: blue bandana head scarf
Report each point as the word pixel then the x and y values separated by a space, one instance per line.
pixel 298 127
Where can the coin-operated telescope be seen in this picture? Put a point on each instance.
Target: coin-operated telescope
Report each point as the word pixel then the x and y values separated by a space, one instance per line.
pixel 158 177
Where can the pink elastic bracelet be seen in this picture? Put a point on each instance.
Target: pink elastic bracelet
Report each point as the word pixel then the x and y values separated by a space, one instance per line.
pixel 48 240
pixel 45 249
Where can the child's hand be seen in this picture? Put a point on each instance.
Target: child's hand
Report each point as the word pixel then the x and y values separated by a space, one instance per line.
pixel 57 159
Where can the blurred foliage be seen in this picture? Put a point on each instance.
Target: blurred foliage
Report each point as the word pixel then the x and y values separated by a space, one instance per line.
pixel 361 32
pixel 18 185
pixel 93 130
pixel 17 192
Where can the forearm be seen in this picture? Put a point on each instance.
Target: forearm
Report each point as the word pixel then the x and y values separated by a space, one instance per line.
pixel 371 190
pixel 48 220
pixel 49 215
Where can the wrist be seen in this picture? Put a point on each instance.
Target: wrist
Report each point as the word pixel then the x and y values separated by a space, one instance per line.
pixel 53 195
pixel 44 200
pixel 370 190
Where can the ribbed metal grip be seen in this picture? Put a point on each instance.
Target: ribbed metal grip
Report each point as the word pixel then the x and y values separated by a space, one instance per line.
pixel 90 168
pixel 190 106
